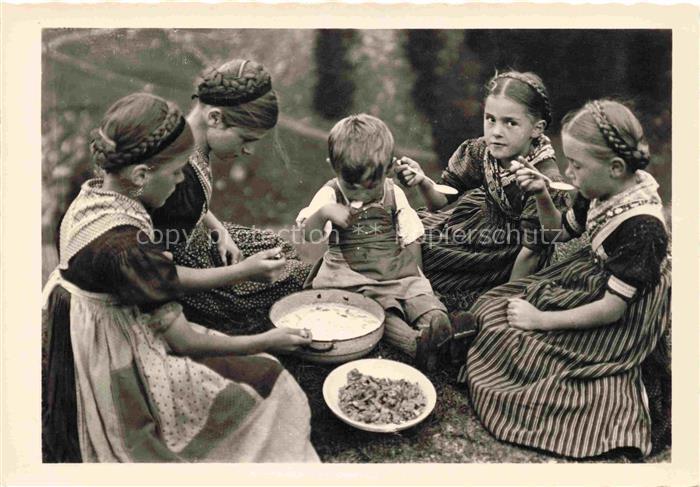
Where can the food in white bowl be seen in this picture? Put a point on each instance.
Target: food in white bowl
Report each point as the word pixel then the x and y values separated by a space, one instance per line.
pixel 381 370
pixel 380 401
pixel 330 321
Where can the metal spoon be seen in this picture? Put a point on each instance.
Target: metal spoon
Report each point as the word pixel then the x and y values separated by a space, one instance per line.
pixel 440 188
pixel 560 185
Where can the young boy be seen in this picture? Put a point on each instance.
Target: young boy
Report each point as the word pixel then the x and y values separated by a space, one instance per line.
pixel 373 240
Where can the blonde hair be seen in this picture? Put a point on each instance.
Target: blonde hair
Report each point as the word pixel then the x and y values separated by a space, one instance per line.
pixel 360 148
pixel 610 130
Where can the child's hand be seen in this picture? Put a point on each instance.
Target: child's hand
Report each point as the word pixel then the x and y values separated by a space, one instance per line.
pixel 338 214
pixel 228 250
pixel 265 266
pixel 405 176
pixel 523 315
pixel 286 339
pixel 529 182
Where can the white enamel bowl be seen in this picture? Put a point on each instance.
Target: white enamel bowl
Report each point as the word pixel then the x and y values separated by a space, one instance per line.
pixel 333 351
pixel 378 368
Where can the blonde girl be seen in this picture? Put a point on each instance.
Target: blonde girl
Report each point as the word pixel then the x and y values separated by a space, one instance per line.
pixel 557 361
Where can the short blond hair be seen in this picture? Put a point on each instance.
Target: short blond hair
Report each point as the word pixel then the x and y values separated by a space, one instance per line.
pixel 360 148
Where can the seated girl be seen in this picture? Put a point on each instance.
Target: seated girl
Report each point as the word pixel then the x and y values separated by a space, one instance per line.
pixel 556 364
pixel 235 107
pixel 490 232
pixel 129 378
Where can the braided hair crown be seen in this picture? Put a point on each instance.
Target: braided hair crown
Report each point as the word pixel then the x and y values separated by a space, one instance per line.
pixel 534 83
pixel 134 129
pixel 621 132
pixel 234 83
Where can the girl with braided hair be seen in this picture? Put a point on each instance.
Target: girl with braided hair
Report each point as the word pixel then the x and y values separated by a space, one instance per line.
pixel 129 378
pixel 235 107
pixel 557 363
pixel 490 232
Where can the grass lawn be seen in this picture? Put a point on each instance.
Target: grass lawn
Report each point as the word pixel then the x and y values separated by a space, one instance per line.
pixel 451 434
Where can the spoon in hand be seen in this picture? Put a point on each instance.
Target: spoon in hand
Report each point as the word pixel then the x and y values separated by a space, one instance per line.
pixel 560 185
pixel 440 188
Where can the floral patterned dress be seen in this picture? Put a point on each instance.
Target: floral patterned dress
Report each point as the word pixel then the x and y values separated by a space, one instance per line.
pixel 243 307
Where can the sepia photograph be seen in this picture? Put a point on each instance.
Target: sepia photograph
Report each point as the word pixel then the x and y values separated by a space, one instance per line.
pixel 343 244
pixel 356 246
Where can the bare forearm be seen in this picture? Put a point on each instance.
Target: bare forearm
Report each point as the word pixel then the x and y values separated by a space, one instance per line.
pixel 525 264
pixel 433 199
pixel 211 221
pixel 200 279
pixel 211 345
pixel 313 225
pixel 605 311
pixel 184 340
pixel 549 215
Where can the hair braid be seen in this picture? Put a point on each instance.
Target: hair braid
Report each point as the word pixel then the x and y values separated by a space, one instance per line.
pixel 534 83
pixel 637 157
pixel 220 87
pixel 109 156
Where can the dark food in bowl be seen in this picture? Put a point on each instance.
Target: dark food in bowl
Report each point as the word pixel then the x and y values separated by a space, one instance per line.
pixel 380 401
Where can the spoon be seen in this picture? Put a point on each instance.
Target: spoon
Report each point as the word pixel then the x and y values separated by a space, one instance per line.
pixel 440 188
pixel 560 185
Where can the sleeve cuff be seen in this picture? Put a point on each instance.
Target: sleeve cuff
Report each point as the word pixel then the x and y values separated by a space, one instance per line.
pixel 410 227
pixel 621 288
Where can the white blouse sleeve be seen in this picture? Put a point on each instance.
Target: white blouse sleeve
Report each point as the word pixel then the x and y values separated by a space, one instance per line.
pixel 409 226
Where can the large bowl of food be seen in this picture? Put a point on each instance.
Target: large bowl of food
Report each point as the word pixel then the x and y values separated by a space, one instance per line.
pixel 344 325
pixel 382 396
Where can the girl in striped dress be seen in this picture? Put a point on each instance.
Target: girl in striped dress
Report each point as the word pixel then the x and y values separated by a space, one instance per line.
pixel 236 106
pixel 491 233
pixel 556 364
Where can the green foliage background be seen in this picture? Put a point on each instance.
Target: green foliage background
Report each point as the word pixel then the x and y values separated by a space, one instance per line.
pixel 427 85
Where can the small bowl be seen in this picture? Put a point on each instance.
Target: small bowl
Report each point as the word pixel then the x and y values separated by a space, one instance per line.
pixel 379 368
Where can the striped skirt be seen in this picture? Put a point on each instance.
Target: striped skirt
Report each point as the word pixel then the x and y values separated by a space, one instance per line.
pixel 575 393
pixel 471 247
pixel 243 307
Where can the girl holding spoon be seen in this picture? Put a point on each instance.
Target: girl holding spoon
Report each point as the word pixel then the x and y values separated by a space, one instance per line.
pixel 235 106
pixel 490 233
pixel 573 340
